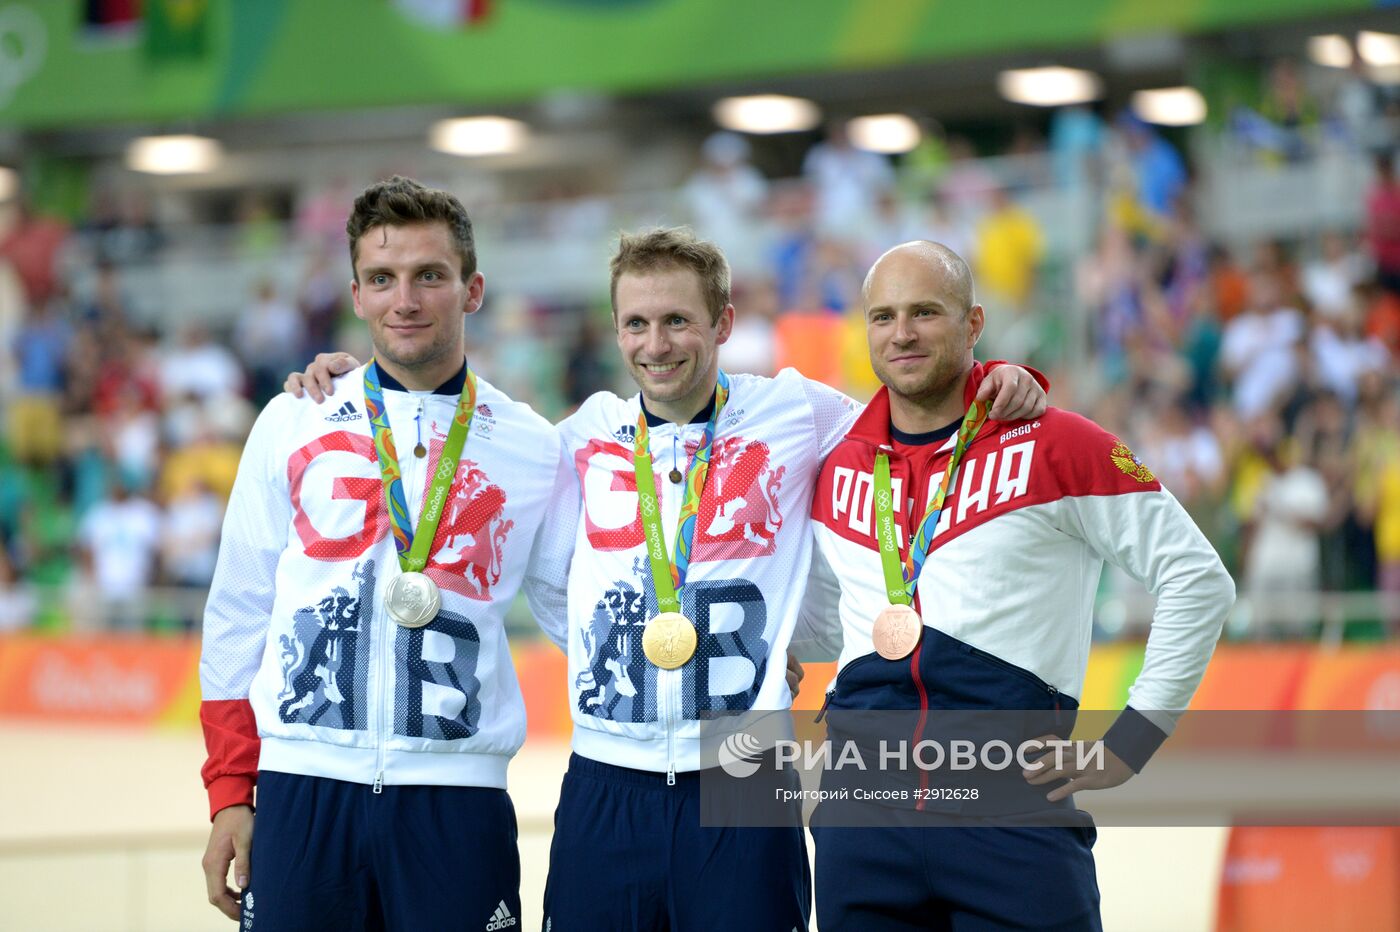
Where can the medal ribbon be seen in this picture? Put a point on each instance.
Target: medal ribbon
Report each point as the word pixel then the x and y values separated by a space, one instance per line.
pixel 413 545
pixel 669 575
pixel 902 577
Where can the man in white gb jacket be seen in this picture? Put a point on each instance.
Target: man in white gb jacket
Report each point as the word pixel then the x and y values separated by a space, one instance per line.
pixel 379 749
pixel 630 800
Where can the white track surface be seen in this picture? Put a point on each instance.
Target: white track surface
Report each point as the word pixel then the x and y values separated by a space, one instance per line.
pixel 103 830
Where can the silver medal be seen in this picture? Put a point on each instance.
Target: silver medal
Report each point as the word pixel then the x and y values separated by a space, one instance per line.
pixel 412 600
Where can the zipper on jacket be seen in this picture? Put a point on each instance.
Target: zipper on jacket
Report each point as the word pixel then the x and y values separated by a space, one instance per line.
pixel 1027 675
pixel 386 650
pixel 831 693
pixel 665 716
pixel 386 647
pixel 914 659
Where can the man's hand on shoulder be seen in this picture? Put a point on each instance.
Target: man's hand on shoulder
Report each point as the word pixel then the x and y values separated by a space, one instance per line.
pixel 1014 393
pixel 230 841
pixel 317 380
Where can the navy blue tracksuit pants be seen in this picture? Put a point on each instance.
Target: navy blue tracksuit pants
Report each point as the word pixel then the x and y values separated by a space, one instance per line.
pixel 955 879
pixel 630 855
pixel 334 855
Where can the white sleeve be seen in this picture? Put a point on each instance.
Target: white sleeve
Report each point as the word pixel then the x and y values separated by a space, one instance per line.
pixel 1152 538
pixel 817 636
pixel 241 594
pixel 547 575
pixel 832 414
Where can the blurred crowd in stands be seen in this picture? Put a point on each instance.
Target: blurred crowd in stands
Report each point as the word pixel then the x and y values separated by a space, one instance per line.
pixel 1258 380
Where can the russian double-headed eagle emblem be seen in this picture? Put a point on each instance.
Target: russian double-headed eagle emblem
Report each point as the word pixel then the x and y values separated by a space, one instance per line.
pixel 1124 459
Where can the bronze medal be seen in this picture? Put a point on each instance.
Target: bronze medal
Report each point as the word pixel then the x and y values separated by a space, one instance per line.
pixel 896 632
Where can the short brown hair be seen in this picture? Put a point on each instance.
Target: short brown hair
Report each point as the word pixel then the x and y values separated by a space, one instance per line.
pixel 674 247
pixel 402 201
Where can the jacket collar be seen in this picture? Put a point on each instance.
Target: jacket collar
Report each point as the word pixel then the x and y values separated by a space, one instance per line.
pixel 873 425
pixel 452 386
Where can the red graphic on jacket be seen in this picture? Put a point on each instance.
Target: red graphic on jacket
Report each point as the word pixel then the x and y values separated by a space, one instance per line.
pixel 469 546
pixel 739 512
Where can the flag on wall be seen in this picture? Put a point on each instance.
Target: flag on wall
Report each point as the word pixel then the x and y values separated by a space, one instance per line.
pixel 444 14
pixel 111 14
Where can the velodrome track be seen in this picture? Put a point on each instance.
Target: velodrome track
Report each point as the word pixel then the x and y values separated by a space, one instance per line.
pixel 102 830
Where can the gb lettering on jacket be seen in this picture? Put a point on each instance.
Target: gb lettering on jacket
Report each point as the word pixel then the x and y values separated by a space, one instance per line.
pixel 739 512
pixel 339 512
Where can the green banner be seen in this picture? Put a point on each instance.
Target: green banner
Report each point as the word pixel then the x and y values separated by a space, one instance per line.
pixel 192 58
pixel 176 29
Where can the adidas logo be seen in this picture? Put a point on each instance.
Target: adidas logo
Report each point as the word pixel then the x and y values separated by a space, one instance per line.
pixel 627 433
pixel 347 412
pixel 500 919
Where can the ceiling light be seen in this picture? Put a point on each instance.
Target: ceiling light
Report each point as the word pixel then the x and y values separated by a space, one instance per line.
pixel 173 155
pixel 1378 49
pixel 1170 106
pixel 1049 87
pixel 889 133
pixel 1332 51
pixel 484 135
pixel 9 183
pixel 767 113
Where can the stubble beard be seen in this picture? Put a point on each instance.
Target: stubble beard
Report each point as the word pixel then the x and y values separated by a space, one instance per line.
pixel 928 392
pixel 423 358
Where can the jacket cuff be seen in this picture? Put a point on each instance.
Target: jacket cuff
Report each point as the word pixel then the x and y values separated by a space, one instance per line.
pixel 232 789
pixel 1133 738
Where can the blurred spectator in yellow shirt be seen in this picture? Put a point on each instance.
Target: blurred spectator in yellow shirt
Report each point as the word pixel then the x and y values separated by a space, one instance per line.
pixel 1378 494
pixel 1009 247
pixel 209 462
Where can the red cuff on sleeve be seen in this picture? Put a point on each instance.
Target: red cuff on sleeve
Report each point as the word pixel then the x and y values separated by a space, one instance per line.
pixel 230 791
pixel 231 738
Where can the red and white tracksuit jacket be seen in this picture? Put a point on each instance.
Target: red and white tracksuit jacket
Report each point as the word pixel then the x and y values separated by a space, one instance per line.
pixel 1007 593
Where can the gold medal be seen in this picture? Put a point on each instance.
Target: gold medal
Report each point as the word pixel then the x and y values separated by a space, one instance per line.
pixel 412 600
pixel 669 640
pixel 896 632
